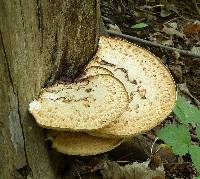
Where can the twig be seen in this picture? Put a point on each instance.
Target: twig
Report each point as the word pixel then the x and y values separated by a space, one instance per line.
pixel 128 37
pixel 106 19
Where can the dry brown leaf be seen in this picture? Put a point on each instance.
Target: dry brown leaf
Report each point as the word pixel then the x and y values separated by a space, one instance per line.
pixel 113 170
pixel 192 28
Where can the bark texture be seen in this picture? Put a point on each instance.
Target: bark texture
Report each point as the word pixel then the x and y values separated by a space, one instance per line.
pixel 40 40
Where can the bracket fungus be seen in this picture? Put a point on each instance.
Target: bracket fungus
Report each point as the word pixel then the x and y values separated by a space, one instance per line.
pixel 150 86
pixel 125 90
pixel 89 104
pixel 82 144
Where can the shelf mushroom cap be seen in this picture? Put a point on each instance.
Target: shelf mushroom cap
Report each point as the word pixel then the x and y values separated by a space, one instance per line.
pixel 91 103
pixel 79 143
pixel 150 86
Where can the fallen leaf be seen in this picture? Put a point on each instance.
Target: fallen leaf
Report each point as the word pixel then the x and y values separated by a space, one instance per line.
pixel 167 10
pixel 172 31
pixel 196 50
pixel 173 25
pixel 114 28
pixel 113 170
pixel 168 42
pixel 192 28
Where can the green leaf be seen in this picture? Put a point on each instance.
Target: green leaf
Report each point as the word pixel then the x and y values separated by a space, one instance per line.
pixel 186 112
pixel 197 177
pixel 198 132
pixel 139 25
pixel 194 151
pixel 178 137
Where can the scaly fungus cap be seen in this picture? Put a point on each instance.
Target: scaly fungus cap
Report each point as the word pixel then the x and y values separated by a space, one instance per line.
pixel 150 86
pixel 91 103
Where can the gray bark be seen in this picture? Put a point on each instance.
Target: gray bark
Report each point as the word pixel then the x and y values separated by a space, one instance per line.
pixel 39 42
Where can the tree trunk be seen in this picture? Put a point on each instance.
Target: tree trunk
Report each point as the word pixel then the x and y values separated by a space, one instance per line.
pixel 39 42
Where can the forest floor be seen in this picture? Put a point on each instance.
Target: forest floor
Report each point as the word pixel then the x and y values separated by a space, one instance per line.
pixel 175 24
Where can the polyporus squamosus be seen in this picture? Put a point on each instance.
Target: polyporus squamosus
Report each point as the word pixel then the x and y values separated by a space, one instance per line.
pixel 150 86
pixel 125 90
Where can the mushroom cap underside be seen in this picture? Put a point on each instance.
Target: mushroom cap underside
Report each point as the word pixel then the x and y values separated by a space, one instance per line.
pixel 79 143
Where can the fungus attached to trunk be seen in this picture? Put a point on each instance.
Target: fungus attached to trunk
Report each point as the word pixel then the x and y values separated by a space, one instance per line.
pixel 125 90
